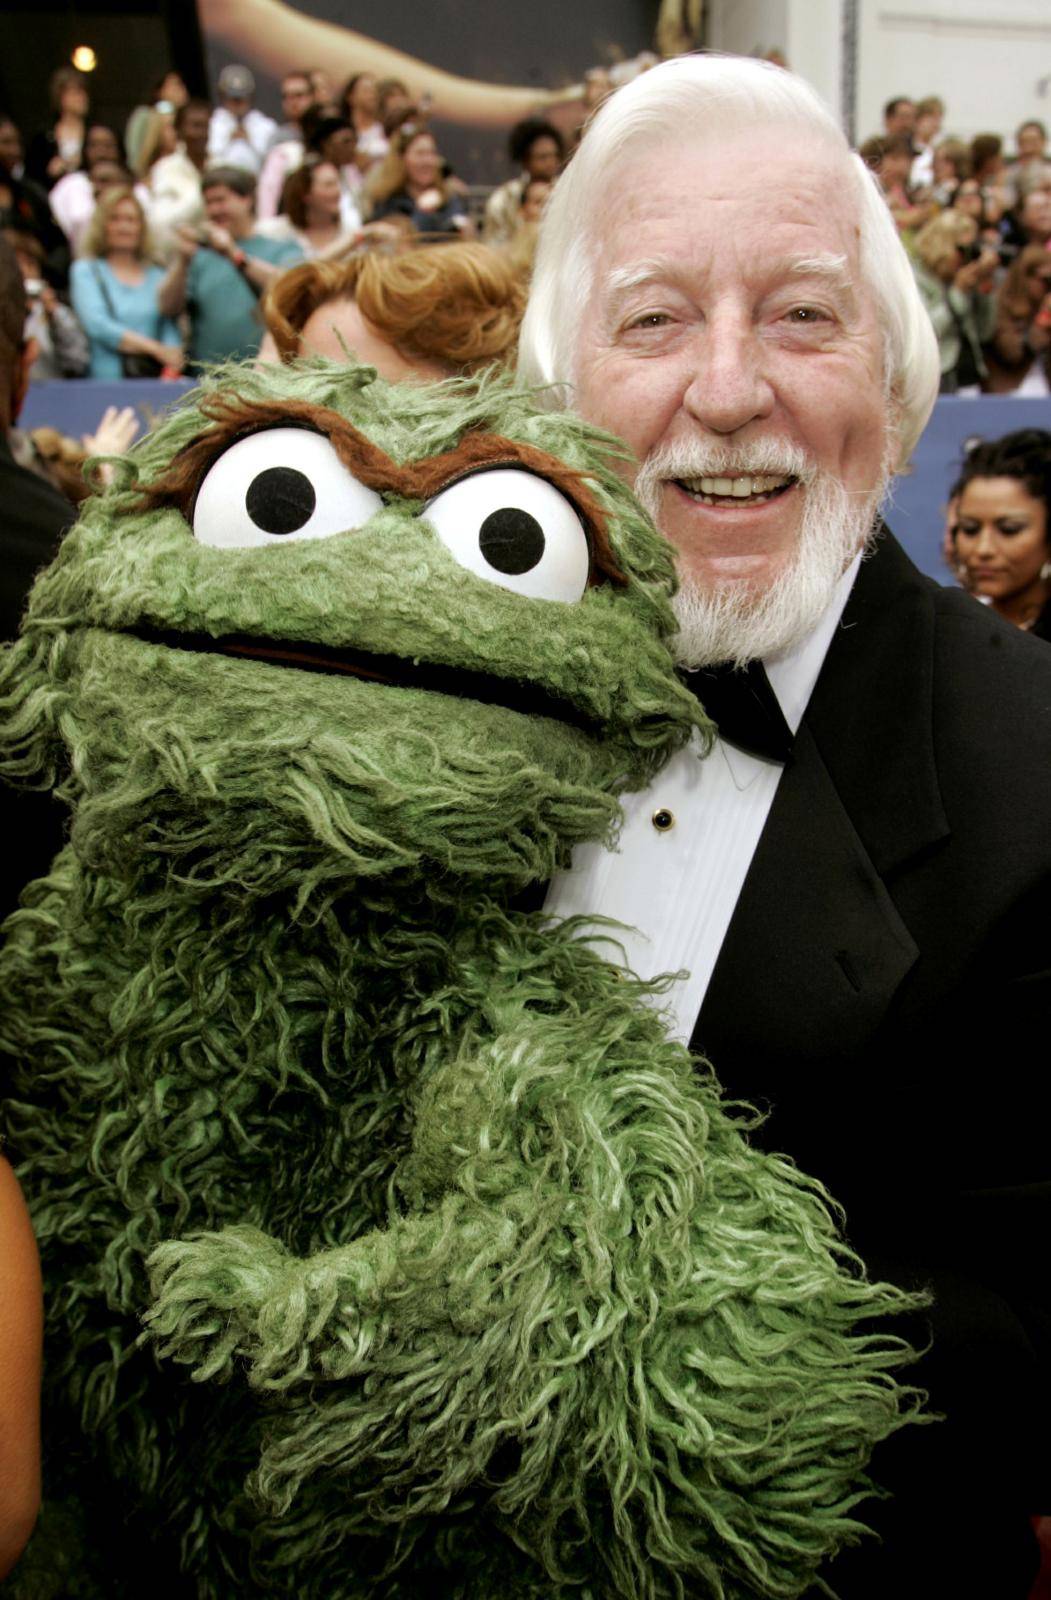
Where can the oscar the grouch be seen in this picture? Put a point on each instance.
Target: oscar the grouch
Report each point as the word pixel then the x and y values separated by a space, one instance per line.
pixel 391 1248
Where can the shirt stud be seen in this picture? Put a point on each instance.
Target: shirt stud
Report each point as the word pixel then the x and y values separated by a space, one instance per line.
pixel 663 819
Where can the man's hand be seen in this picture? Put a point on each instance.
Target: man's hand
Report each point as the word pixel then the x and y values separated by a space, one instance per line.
pixel 219 239
pixel 187 243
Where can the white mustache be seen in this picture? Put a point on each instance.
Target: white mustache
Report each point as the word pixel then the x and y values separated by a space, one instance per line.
pixel 694 458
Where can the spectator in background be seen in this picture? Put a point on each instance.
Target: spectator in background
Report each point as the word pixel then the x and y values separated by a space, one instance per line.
pixel 598 86
pixel 1034 217
pixel 987 160
pixel 409 183
pixel 1019 354
pixel 537 151
pixel 899 117
pixel 891 160
pixel 952 164
pixel 12 164
pixel 321 84
pixel 1000 535
pixel 521 249
pixel 394 103
pixel 311 213
pixel 56 150
pixel 73 197
pixel 333 139
pixel 360 104
pixel 159 139
pixel 60 343
pixel 24 204
pixel 289 147
pixel 239 136
pixel 955 278
pixel 175 182
pixel 114 288
pixel 424 314
pixel 1030 167
pixel 219 274
pixel 169 95
pixel 986 207
pixel 930 114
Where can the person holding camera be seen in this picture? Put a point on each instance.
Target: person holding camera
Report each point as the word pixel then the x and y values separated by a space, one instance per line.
pixel 60 344
pixel 954 274
pixel 1019 353
pixel 221 268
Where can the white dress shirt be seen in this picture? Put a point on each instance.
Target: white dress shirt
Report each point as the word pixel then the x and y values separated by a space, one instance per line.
pixel 675 889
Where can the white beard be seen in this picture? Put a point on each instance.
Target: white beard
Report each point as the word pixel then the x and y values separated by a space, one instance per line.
pixel 735 622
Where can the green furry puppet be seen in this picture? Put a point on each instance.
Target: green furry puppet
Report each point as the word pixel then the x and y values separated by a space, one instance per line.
pixel 458 1278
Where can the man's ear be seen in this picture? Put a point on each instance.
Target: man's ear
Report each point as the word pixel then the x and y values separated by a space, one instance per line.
pixel 20 376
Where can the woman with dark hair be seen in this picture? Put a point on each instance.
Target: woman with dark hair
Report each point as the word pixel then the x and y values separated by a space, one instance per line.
pixel 334 140
pixel 1000 533
pixel 537 150
pixel 360 104
pixel 410 183
pixel 312 212
pixel 1019 354
pixel 73 197
pixel 57 149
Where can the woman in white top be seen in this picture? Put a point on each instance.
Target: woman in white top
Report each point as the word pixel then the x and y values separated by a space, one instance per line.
pixel 361 106
pixel 314 212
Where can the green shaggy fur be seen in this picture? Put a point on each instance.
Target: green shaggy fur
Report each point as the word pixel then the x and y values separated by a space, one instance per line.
pixel 458 1278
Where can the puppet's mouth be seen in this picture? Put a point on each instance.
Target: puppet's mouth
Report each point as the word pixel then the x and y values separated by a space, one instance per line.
pixel 394 671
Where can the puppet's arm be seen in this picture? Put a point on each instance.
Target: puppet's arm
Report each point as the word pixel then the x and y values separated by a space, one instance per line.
pixel 601 1308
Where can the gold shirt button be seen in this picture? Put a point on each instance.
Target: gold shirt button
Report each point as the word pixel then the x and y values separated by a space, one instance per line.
pixel 663 819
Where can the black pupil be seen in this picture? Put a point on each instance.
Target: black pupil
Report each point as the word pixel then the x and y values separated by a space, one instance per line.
pixel 511 540
pixel 280 500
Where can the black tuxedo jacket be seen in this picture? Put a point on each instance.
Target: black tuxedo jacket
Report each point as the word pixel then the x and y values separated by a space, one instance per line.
pixel 883 992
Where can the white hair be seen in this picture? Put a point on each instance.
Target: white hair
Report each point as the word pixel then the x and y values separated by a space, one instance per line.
pixel 702 96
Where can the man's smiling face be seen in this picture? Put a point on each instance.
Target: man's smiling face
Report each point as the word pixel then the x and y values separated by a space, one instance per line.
pixel 730 327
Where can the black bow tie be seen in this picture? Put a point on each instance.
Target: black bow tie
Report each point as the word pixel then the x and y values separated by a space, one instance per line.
pixel 744 708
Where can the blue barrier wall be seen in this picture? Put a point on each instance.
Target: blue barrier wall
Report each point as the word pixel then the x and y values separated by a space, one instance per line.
pixel 915 512
pixel 75 406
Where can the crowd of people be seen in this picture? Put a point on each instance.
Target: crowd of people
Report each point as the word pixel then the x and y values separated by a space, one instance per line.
pixel 221 198
pixel 149 252
pixel 976 221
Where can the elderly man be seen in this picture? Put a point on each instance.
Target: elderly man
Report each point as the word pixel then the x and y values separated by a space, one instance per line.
pixel 855 879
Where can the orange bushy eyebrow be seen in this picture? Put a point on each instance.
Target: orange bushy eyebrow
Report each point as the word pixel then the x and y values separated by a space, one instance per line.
pixel 235 418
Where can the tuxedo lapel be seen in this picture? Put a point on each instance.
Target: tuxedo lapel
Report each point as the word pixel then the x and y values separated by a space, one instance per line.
pixel 871 713
pixel 816 948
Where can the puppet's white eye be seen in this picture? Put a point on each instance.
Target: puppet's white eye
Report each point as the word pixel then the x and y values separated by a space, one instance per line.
pixel 282 483
pixel 514 529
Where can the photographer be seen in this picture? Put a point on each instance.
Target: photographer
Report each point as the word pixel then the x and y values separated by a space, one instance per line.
pixel 221 269
pixel 1019 354
pixel 60 342
pixel 954 274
